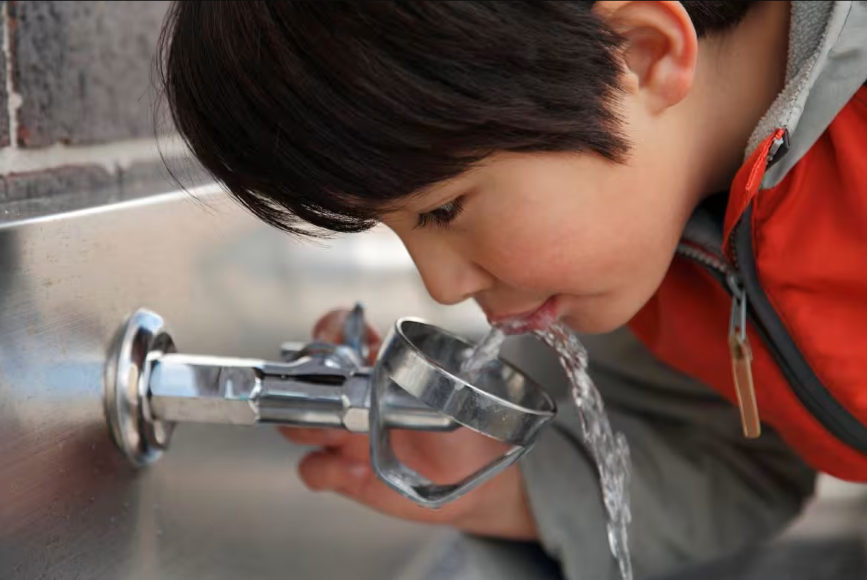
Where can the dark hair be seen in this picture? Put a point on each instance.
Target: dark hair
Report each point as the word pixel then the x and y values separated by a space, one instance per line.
pixel 328 112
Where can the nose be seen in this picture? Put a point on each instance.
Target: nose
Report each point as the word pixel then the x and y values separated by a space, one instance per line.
pixel 449 273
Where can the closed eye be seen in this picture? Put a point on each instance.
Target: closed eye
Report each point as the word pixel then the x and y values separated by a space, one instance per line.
pixel 442 216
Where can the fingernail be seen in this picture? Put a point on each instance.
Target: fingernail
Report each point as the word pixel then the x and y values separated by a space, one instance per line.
pixel 358 470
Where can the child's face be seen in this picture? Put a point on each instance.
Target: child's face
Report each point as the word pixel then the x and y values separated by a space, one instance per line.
pixel 594 236
pixel 590 240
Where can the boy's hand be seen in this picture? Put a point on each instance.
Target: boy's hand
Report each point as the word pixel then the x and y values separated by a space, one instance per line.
pixel 498 508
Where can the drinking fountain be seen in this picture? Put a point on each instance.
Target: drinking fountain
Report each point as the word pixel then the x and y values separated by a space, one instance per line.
pixel 415 383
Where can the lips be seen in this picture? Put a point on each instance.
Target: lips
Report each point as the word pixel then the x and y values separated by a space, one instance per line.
pixel 529 321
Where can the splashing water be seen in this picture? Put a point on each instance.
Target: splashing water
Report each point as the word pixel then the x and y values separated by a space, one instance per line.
pixel 489 347
pixel 483 353
pixel 609 450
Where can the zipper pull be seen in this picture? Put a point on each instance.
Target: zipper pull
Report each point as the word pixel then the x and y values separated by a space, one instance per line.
pixel 742 359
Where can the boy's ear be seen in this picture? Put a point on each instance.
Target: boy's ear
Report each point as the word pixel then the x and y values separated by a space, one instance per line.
pixel 660 48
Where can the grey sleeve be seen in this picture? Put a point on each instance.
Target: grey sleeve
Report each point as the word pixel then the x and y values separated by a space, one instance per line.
pixel 699 489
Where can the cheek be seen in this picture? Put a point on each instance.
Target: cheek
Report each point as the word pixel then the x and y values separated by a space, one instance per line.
pixel 548 251
pixel 577 225
pixel 604 249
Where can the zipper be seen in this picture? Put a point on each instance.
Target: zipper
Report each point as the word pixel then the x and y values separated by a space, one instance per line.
pixel 739 345
pixel 704 257
pixel 804 382
pixel 740 350
pixel 742 359
pixel 749 302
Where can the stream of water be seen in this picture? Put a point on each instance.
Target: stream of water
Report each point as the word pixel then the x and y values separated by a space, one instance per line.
pixel 483 353
pixel 608 449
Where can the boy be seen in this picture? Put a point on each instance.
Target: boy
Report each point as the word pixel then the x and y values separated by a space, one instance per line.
pixel 568 158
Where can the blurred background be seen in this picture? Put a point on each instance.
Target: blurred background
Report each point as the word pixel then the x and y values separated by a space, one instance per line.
pixel 90 230
pixel 76 128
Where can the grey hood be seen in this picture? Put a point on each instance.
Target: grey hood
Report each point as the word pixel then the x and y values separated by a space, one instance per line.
pixel 827 65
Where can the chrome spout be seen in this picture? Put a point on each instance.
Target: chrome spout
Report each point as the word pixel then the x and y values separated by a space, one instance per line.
pixel 204 389
pixel 415 384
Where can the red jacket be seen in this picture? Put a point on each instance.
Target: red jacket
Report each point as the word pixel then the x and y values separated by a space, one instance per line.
pixel 794 247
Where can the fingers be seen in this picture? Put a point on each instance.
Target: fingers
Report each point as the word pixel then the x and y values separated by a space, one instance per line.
pixel 315 437
pixel 353 446
pixel 327 470
pixel 331 470
pixel 329 328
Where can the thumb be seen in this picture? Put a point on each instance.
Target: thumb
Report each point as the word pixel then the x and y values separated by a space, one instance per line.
pixel 327 470
pixel 329 328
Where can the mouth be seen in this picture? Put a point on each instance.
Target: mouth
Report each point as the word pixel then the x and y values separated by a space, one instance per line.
pixel 529 321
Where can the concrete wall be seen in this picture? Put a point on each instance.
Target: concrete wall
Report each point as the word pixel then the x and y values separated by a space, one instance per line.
pixel 76 100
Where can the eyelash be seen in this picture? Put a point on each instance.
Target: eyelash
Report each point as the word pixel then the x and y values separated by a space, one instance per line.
pixel 442 216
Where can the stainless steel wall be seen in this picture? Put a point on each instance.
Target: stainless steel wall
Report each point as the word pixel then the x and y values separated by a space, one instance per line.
pixel 223 502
